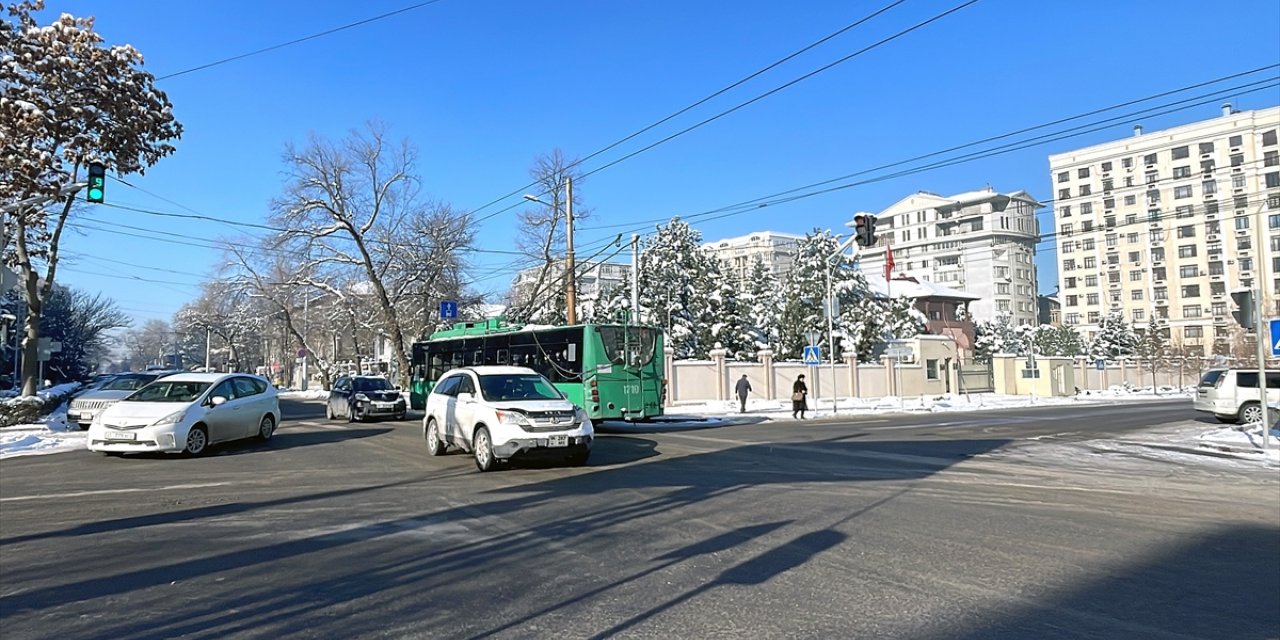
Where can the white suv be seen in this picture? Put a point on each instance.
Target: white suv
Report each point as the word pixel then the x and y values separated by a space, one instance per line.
pixel 1232 395
pixel 498 413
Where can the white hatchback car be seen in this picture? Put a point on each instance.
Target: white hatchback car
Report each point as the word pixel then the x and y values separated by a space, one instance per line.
pixel 498 413
pixel 185 413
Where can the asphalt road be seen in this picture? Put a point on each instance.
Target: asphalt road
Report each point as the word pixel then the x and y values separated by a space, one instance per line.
pixel 886 527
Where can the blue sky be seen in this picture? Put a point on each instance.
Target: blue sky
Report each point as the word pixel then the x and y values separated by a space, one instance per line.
pixel 482 87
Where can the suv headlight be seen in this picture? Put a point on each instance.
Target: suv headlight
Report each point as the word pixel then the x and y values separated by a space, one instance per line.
pixel 580 415
pixel 173 418
pixel 512 417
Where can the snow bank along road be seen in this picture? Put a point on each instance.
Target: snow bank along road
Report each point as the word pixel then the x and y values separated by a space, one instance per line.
pixel 889 527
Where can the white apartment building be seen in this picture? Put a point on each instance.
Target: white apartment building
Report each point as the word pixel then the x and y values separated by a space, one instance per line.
pixel 737 255
pixel 594 278
pixel 982 242
pixel 1166 224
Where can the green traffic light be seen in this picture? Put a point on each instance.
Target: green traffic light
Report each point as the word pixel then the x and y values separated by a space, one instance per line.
pixel 95 194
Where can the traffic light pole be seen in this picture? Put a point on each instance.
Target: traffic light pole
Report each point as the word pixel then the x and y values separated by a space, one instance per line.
pixel 1258 331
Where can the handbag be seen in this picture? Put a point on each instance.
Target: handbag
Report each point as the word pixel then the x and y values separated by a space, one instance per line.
pixel 797 396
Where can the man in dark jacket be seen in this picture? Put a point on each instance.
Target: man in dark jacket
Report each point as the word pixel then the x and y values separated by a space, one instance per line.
pixel 742 389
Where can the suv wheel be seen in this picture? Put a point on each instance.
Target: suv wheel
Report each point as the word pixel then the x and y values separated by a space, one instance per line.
pixel 328 411
pixel 483 448
pixel 434 446
pixel 1250 412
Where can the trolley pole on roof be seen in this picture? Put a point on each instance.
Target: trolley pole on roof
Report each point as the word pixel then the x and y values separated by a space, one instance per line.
pixel 635 278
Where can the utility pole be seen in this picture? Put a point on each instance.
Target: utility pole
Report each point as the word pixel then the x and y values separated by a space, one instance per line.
pixel 571 315
pixel 635 278
pixel 306 325
pixel 208 340
pixel 1260 326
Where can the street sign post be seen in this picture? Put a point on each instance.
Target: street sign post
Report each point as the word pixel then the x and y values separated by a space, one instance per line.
pixel 813 355
pixel 1100 364
pixel 448 309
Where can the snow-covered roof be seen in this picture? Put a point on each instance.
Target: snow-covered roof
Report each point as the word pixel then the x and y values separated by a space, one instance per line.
pixel 913 289
pixel 927 200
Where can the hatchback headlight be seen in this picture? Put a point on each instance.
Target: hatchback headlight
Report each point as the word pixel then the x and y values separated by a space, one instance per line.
pixel 173 418
pixel 512 417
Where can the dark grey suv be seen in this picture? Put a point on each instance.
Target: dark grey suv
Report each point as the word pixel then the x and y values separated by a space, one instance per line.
pixel 359 398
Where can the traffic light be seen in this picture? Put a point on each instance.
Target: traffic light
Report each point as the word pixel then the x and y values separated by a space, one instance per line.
pixel 864 226
pixel 97 182
pixel 1243 312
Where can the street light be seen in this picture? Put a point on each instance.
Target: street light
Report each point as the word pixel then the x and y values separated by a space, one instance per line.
pixel 570 293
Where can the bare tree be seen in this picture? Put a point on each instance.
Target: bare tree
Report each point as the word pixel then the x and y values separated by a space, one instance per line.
pixel 354 208
pixel 68 100
pixel 223 311
pixel 145 344
pixel 542 235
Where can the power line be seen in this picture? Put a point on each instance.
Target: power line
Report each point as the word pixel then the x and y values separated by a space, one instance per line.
pixel 918 25
pixel 350 25
pixel 697 103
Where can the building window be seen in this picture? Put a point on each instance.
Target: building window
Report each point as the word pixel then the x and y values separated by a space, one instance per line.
pixel 1149 159
pixel 1273 179
pixel 1157 273
pixel 1246 264
pixel 1237 182
pixel 1219 308
pixel 1091 281
pixel 1064 212
pixel 1187 231
pixel 1155 235
pixel 1136 294
pixel 1135 275
pixel 1273 220
pixel 1191 311
pixel 1271 159
pixel 1152 177
pixel 1135 256
pixel 1130 200
pixel 1106 166
pixel 1187 251
pixel 1086 208
pixel 1073 300
pixel 1184 211
pixel 1139 315
pixel 1082 172
pixel 1115 297
pixel 1068 247
pixel 1071 283
pixel 1064 194
pixel 1269 138
pixel 1157 255
pixel 1244 243
pixel 1064 176
pixel 1215 268
pixel 1073 318
pixel 1002 288
pixel 1193 332
pixel 1086 190
pixel 1111 240
pixel 1211 208
pixel 1182 192
pixel 1217 288
pixel 1206 147
pixel 1090 263
pixel 1086 226
pixel 1209 187
pixel 1108 184
pixel 1090 244
pixel 1002 305
pixel 1160 293
pixel 1003 272
pixel 1132 237
pixel 1189 271
pixel 1206 166
pixel 1191 291
pixel 1242 222
pixel 1235 141
pixel 1113 277
pixel 1180 152
pixel 1181 172
pixel 931 369
pixel 1237 159
pixel 1091 298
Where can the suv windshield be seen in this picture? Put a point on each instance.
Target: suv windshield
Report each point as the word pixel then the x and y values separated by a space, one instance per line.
pixel 1211 378
pixel 371 384
pixel 519 386
pixel 128 383
pixel 169 392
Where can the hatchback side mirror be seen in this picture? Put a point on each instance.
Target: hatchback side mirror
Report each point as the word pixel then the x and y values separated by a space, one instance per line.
pixel 465 397
pixel 217 400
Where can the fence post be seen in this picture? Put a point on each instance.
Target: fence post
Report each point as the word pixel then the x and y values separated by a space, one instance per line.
pixel 722 383
pixel 851 361
pixel 766 358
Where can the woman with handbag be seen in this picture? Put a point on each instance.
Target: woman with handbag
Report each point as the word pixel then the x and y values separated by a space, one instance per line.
pixel 799 397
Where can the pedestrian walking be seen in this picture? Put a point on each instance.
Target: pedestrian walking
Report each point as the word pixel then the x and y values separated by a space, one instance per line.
pixel 742 389
pixel 799 397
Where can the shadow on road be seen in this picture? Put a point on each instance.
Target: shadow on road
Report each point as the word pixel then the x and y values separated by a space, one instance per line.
pixel 286 585
pixel 1221 585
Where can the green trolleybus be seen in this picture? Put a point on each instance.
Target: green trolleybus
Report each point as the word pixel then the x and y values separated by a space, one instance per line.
pixel 613 371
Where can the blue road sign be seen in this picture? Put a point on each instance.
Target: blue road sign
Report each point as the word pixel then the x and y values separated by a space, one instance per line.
pixel 448 309
pixel 813 355
pixel 1100 364
pixel 1275 336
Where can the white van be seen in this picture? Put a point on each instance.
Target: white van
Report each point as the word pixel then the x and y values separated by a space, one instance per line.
pixel 1232 395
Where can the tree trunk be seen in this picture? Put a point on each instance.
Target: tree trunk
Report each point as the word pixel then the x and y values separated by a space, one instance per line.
pixel 31 347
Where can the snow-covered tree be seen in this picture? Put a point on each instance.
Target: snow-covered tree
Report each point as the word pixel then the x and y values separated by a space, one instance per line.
pixel 998 336
pixel 1115 337
pixel 1152 345
pixel 224 312
pixel 69 100
pixel 730 323
pixel 1058 341
pixel 762 302
pixel 676 286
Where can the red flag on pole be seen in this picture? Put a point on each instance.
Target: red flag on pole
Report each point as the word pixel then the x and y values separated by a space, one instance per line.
pixel 888 262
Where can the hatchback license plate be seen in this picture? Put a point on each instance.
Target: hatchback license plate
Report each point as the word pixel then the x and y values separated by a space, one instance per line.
pixel 558 441
pixel 121 435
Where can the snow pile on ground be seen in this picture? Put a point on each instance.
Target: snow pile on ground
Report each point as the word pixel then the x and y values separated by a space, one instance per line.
pixel 309 394
pixel 1245 440
pixel 51 435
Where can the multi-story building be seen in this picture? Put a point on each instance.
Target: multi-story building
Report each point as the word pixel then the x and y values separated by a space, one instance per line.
pixel 1166 224
pixel 981 242
pixel 594 278
pixel 738 255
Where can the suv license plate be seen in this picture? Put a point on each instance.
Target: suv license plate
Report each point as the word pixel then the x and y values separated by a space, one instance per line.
pixel 558 441
pixel 121 435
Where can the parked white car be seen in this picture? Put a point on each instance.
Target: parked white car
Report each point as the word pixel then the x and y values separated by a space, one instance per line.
pixel 1232 395
pixel 89 403
pixel 498 413
pixel 185 413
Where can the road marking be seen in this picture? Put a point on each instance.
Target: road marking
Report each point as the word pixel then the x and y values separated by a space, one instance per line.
pixel 77 494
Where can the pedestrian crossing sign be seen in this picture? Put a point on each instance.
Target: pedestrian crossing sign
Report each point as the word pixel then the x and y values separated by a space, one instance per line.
pixel 813 355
